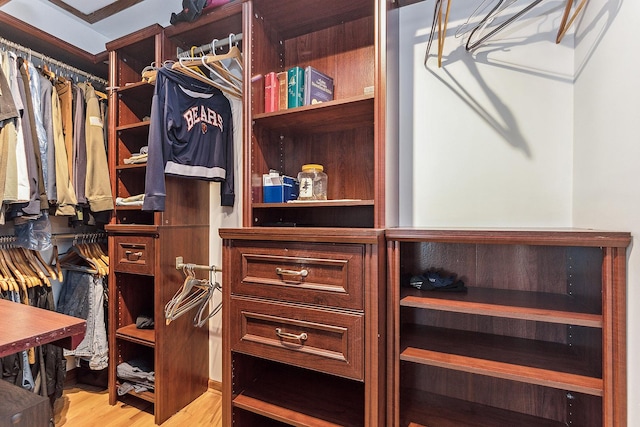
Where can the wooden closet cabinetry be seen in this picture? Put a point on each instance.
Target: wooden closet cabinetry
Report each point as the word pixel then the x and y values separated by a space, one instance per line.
pixel 143 246
pixel 303 311
pixel 346 40
pixel 304 283
pixel 537 340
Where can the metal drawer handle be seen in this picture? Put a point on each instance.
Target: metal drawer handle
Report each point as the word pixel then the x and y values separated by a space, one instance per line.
pixel 301 273
pixel 130 254
pixel 301 337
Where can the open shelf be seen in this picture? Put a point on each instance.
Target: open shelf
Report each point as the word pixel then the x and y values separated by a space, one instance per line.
pixel 303 397
pixel 148 396
pixel 531 342
pixel 132 166
pixel 141 127
pixel 331 116
pixel 543 307
pixel 314 204
pixel 537 362
pixel 424 409
pixel 314 16
pixel 139 336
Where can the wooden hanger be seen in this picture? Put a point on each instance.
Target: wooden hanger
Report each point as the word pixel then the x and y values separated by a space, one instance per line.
pixel 7 282
pixel 20 278
pixel 50 271
pixel 100 94
pixel 9 272
pixel 76 260
pixel 48 73
pixel 566 21
pixel 35 266
pixel 25 267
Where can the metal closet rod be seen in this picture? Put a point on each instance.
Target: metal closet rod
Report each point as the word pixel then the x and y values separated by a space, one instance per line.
pixel 87 235
pixel 180 264
pixel 50 61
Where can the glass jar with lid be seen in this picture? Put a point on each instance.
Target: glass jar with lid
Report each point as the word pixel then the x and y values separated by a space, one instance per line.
pixel 313 182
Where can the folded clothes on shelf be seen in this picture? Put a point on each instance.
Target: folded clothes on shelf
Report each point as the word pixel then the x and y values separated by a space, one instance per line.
pixel 135 375
pixel 136 200
pixel 140 157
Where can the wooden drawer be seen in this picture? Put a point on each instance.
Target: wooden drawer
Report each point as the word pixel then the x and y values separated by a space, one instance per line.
pixel 324 340
pixel 134 254
pixel 312 273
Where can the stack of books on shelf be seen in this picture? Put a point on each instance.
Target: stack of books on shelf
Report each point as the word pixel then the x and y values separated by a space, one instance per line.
pixel 296 87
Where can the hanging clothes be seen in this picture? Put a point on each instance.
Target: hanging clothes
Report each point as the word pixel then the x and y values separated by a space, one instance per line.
pixel 97 185
pixel 58 125
pixel 46 90
pixel 66 194
pixel 65 97
pixel 79 155
pixel 34 88
pixel 191 135
pixel 82 296
pixel 17 188
pixel 8 117
pixel 32 208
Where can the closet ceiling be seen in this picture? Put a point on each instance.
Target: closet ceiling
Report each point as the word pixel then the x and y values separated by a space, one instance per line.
pixel 89 25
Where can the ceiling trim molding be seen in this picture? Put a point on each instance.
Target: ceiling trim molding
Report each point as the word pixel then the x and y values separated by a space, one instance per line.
pixel 4 2
pixel 28 36
pixel 98 15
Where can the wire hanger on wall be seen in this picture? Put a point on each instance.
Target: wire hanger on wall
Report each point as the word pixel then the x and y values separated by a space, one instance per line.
pixel 221 75
pixel 442 23
pixel 499 7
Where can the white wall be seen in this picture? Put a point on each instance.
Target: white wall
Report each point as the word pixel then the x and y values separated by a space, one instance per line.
pixel 486 140
pixel 223 217
pixel 607 148
pixel 524 132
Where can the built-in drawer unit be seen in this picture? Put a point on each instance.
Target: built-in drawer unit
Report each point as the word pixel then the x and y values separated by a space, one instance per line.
pixel 303 326
pixel 134 254
pixel 321 339
pixel 321 274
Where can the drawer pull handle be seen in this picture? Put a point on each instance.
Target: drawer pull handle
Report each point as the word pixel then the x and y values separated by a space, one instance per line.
pixel 301 273
pixel 300 337
pixel 130 254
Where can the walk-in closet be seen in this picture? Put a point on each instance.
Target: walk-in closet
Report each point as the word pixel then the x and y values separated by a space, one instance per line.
pixel 361 213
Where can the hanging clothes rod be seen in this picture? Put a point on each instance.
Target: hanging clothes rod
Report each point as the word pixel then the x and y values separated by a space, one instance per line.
pixel 209 47
pixel 180 264
pixel 50 61
pixel 96 235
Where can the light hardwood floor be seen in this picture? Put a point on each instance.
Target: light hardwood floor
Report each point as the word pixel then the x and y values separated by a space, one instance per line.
pixel 87 406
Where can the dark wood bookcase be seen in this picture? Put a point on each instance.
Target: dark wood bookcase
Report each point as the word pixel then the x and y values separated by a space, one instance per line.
pixel 143 246
pixel 538 339
pixel 348 136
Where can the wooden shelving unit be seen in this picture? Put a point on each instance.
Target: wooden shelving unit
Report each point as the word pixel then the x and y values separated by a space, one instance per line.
pixel 144 245
pixel 348 135
pixel 303 327
pixel 537 338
